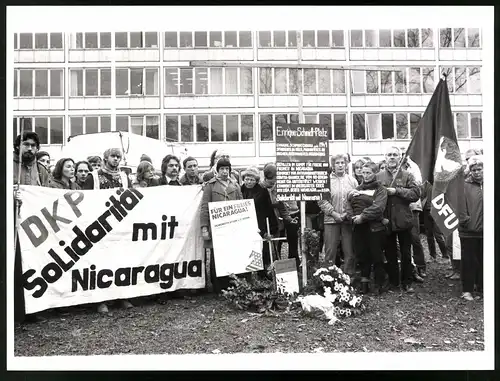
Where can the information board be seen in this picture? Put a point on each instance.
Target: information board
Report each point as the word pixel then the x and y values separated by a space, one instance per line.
pixel 302 153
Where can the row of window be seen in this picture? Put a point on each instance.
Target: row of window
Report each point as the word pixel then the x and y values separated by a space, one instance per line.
pixel 383 38
pixel 382 126
pixel 95 82
pixel 240 127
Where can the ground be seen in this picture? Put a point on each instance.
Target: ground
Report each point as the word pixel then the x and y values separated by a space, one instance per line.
pixel 432 319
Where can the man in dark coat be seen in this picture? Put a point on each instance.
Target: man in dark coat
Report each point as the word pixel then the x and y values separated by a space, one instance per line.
pixel 170 167
pixel 31 173
pixel 402 191
pixel 191 177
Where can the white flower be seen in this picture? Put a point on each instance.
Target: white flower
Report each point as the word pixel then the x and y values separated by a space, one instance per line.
pixel 327 278
pixel 328 290
pixel 322 277
pixel 319 271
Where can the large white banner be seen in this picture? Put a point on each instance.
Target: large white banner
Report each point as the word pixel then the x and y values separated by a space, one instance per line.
pixel 237 243
pixel 96 245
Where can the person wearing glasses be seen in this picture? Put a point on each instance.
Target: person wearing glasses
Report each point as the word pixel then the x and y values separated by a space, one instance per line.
pixel 402 190
pixel 212 172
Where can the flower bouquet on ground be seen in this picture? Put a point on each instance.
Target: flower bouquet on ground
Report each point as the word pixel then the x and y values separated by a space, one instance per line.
pixel 335 286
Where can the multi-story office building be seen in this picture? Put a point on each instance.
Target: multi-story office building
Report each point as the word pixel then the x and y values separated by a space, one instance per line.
pixel 79 83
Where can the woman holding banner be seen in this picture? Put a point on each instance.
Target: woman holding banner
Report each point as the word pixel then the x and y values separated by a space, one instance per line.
pixel 220 188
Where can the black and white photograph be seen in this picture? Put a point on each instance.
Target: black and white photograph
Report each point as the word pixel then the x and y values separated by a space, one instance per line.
pixel 360 243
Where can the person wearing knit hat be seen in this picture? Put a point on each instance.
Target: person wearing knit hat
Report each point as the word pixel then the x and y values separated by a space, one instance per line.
pixel 217 155
pixel 43 158
pixel 219 188
pixel 286 224
pixel 145 157
pixel 263 209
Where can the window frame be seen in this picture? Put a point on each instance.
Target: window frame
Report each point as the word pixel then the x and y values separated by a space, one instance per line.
pixel 49 126
pixel 466 36
pixel 144 123
pixel 17 73
pixel 17 37
pixel 143 39
pixel 84 125
pixel 73 44
pixel 394 125
pixel 84 82
pixel 143 83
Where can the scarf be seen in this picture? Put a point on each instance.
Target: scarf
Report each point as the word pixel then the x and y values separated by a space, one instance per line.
pixel 374 184
pixel 115 174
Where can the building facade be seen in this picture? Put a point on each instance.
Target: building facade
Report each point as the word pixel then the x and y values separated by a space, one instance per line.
pixel 79 83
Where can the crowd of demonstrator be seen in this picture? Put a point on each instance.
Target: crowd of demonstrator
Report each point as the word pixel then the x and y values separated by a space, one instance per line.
pixel 370 221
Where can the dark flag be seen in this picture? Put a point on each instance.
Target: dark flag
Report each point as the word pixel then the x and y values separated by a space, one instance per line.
pixel 435 150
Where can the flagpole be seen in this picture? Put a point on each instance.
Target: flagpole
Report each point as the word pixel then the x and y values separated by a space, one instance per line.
pixel 18 203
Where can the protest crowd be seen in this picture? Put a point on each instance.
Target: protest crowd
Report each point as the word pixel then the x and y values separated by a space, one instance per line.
pixel 370 222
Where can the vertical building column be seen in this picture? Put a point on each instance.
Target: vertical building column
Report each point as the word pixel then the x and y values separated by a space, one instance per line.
pixel 66 87
pixel 113 83
pixel 161 123
pixel 348 93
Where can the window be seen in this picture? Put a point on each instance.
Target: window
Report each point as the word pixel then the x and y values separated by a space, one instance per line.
pixel 186 39
pixel 202 128
pixel 266 78
pixel 265 39
pixel 105 40
pixel 135 40
pixel 462 125
pixel 337 38
pixel 26 83
pixel 326 120
pixel 476 125
pixel 56 82
pixel 324 84
pixel 339 127
pixel 121 40
pixel 217 128
pixel 172 127
pixel 91 124
pixel 136 125
pixel 414 82
pixel 414 121
pixel 310 81
pixel 78 41
pixel 171 81
pixel 358 81
pixel 246 86
pixel 42 129
pixel 41 41
pixel 91 82
pixel 358 126
pixel 292 38
pixel 186 82
pixel 266 127
pixel 105 89
pixel 473 38
pixel 230 39
pixel 216 81
pixel 137 81
pixel 144 125
pixel 171 40
pixel 384 38
pixel 15 48
pixel 91 41
pixel 372 81
pixel 279 39
pixel 459 37
pixel 293 81
pixel 294 118
pixel 386 82
pixel 400 81
pixel 323 39
pixel 56 130
pixel 245 39
pixel 356 38
pixel 280 85
pixel 41 83
pixel 427 38
pixel 152 126
pixel 187 128
pixel 308 40
pixel 399 38
pixel 338 77
pixel 94 82
pixel 16 83
pixel 460 80
pixel 25 41
pixel 373 126
pixel 246 128
pixel 413 38
pixel 371 39
pixel 201 80
pixel 308 118
pixel 56 41
pixel 231 81
pixel 428 79
pixel 474 80
pixel 401 126
pixel 215 40
pixel 388 126
pixel 105 123
pixel 122 123
pixel 200 39
pixel 151 39
pixel 232 134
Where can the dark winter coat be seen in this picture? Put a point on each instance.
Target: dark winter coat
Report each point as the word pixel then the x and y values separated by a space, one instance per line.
pixel 398 206
pixel 33 173
pixel 370 204
pixel 186 181
pixel 471 216
pixel 59 184
pixel 163 181
pixel 263 208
